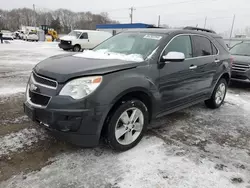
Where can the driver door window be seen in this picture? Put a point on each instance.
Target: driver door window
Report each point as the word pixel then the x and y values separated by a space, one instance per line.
pixel 180 44
pixel 84 36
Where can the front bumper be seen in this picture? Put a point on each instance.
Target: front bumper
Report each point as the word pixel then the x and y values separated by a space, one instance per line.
pixel 77 126
pixel 65 46
pixel 7 38
pixel 241 76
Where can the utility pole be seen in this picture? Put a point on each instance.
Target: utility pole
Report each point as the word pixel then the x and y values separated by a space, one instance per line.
pixel 131 14
pixel 231 32
pixel 34 10
pixel 205 22
pixel 159 21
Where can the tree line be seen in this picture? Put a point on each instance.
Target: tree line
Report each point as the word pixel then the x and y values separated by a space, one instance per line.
pixel 62 20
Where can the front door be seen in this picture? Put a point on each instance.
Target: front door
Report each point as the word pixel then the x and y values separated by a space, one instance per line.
pixel 84 41
pixel 177 79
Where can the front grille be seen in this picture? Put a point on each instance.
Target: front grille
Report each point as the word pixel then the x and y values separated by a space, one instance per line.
pixel 38 98
pixel 65 42
pixel 240 67
pixel 44 81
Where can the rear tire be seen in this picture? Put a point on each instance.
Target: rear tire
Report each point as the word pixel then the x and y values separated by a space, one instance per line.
pixel 127 125
pixel 218 95
pixel 77 48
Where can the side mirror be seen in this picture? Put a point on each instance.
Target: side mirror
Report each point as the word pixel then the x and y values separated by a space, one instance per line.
pixel 173 56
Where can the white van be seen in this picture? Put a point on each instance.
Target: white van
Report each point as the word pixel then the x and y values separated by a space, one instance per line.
pixel 83 39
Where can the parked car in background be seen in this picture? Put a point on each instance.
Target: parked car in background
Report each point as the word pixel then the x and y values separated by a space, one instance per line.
pixel 83 39
pixel 241 64
pixel 31 36
pixel 230 42
pixel 119 87
pixel 19 34
pixel 7 35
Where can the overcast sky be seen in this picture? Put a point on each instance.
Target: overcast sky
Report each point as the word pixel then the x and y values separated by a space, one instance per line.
pixel 219 13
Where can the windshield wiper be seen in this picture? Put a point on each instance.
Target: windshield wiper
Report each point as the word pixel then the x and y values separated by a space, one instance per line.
pixel 241 54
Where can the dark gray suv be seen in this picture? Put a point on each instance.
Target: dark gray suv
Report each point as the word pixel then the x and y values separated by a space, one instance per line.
pixel 119 87
pixel 241 64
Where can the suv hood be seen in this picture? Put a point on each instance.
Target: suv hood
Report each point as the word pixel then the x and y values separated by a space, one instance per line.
pixel 65 67
pixel 241 59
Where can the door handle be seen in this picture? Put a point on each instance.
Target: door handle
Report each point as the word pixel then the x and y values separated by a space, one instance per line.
pixel 217 61
pixel 193 67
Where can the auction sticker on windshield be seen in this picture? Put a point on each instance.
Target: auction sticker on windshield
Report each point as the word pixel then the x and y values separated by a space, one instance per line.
pixel 152 37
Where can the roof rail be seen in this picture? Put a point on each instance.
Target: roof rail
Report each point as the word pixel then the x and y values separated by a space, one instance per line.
pixel 199 29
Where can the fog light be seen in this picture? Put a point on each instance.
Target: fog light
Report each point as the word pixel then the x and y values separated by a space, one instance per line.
pixel 70 123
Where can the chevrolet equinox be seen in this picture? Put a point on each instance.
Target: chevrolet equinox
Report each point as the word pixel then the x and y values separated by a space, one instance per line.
pixel 116 89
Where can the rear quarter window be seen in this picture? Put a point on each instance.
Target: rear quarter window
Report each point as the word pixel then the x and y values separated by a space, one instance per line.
pixel 214 49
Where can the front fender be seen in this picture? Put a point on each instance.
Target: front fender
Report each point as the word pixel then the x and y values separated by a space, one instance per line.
pixel 118 84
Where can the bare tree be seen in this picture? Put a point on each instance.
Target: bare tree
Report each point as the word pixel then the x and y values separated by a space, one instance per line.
pixel 15 18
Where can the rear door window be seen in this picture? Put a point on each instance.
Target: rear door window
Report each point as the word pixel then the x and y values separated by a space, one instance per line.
pixel 180 44
pixel 202 46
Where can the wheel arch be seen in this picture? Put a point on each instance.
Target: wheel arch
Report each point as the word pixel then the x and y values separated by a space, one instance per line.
pixel 133 93
pixel 226 76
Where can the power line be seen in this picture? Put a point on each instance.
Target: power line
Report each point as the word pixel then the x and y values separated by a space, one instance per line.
pixel 174 3
pixel 150 6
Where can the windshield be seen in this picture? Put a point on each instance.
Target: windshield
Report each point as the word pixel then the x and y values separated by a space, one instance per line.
pixel 32 33
pixel 75 34
pixel 6 32
pixel 141 44
pixel 241 49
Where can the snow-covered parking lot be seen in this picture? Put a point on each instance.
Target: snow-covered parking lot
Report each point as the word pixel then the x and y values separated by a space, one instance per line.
pixel 196 147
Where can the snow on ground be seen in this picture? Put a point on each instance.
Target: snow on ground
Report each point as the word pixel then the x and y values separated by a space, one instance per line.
pixel 14 142
pixel 156 163
pixel 151 164
pixel 16 120
pixel 11 90
pixel 17 60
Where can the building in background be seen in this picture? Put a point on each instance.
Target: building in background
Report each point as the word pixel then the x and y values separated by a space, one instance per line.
pixel 117 28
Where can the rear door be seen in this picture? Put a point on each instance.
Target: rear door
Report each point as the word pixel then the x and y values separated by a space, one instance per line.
pixel 205 57
pixel 178 79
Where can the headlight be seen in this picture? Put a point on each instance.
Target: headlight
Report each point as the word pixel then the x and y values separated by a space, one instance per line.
pixel 81 87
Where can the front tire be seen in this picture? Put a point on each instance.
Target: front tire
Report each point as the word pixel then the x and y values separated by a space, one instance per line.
pixel 127 125
pixel 218 95
pixel 77 48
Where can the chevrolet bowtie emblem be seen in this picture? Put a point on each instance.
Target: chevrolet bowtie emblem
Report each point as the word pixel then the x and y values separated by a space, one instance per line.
pixel 33 87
